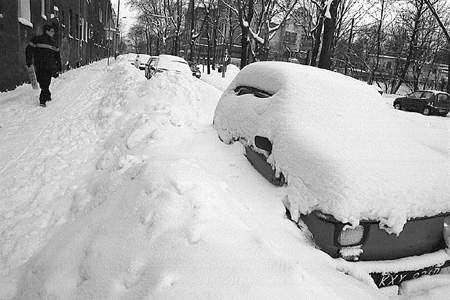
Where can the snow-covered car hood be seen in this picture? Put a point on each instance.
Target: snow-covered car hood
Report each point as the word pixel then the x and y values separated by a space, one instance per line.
pixel 342 151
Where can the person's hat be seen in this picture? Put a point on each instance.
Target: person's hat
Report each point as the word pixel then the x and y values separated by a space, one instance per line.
pixel 49 26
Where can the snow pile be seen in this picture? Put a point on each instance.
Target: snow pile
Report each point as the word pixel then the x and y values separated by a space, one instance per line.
pixel 160 209
pixel 215 78
pixel 341 149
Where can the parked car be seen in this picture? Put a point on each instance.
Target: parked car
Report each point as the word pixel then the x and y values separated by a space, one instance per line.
pixel 426 102
pixel 168 63
pixel 131 57
pixel 367 190
pixel 151 62
pixel 195 69
pixel 141 60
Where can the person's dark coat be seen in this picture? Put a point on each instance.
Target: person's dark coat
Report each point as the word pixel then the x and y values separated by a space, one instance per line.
pixel 43 53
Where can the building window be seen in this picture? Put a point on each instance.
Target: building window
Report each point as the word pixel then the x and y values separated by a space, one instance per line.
pixel 290 37
pixel 25 13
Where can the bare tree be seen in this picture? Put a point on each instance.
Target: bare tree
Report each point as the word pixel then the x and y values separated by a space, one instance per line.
pixel 445 31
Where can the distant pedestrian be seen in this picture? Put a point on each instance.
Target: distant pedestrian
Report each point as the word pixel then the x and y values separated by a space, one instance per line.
pixel 43 53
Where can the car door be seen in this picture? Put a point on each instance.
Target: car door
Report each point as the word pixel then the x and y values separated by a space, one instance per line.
pixel 443 102
pixel 412 100
pixel 424 101
pixel 406 101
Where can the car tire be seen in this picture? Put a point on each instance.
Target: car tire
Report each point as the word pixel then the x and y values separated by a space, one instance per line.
pixel 397 106
pixel 426 111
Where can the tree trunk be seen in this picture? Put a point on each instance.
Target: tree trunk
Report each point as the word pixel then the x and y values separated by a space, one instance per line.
pixel 245 22
pixel 244 47
pixel 412 45
pixel 317 40
pixel 230 32
pixel 208 55
pixel 191 33
pixel 328 33
pixel 214 46
pixel 377 62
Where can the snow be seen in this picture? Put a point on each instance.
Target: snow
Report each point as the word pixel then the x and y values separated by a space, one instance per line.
pixel 427 286
pixel 215 78
pixel 120 188
pixel 25 22
pixel 341 149
pixel 403 264
pixel 173 63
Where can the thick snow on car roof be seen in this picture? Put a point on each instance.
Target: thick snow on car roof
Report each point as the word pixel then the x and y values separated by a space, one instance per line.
pixel 173 63
pixel 341 149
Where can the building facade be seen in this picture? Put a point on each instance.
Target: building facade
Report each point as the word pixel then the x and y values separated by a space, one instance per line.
pixel 84 32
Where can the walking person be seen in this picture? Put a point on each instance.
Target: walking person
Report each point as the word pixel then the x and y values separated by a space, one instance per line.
pixel 43 53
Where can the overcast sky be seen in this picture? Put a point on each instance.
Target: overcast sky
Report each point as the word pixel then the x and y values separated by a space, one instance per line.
pixel 126 12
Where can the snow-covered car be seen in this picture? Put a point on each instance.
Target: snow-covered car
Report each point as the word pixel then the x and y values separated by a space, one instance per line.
pixel 195 69
pixel 151 62
pixel 168 63
pixel 141 60
pixel 426 102
pixel 367 189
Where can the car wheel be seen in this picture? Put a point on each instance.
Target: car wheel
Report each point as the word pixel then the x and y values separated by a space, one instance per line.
pixel 397 106
pixel 426 111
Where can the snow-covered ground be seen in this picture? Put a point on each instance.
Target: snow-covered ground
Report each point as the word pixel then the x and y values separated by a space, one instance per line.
pixel 120 188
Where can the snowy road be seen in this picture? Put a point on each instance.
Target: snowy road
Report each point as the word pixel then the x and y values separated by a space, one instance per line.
pixel 120 189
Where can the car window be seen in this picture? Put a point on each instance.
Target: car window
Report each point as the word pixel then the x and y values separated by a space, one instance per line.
pixel 415 95
pixel 244 90
pixel 427 95
pixel 179 61
pixel 444 97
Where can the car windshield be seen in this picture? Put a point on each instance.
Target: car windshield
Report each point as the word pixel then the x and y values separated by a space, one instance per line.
pixel 415 95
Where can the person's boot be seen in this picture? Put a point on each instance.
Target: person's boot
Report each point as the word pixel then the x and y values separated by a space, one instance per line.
pixel 42 101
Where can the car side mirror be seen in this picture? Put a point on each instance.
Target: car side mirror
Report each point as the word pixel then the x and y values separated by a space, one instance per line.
pixel 263 143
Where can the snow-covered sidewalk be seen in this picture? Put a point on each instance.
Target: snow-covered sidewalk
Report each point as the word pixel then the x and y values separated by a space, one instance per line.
pixel 44 153
pixel 120 189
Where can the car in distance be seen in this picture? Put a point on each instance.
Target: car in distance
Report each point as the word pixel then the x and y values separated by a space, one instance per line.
pixel 168 63
pixel 151 62
pixel 427 102
pixel 367 191
pixel 195 69
pixel 141 60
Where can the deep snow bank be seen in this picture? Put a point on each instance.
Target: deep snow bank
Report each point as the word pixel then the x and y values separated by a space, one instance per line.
pixel 171 212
